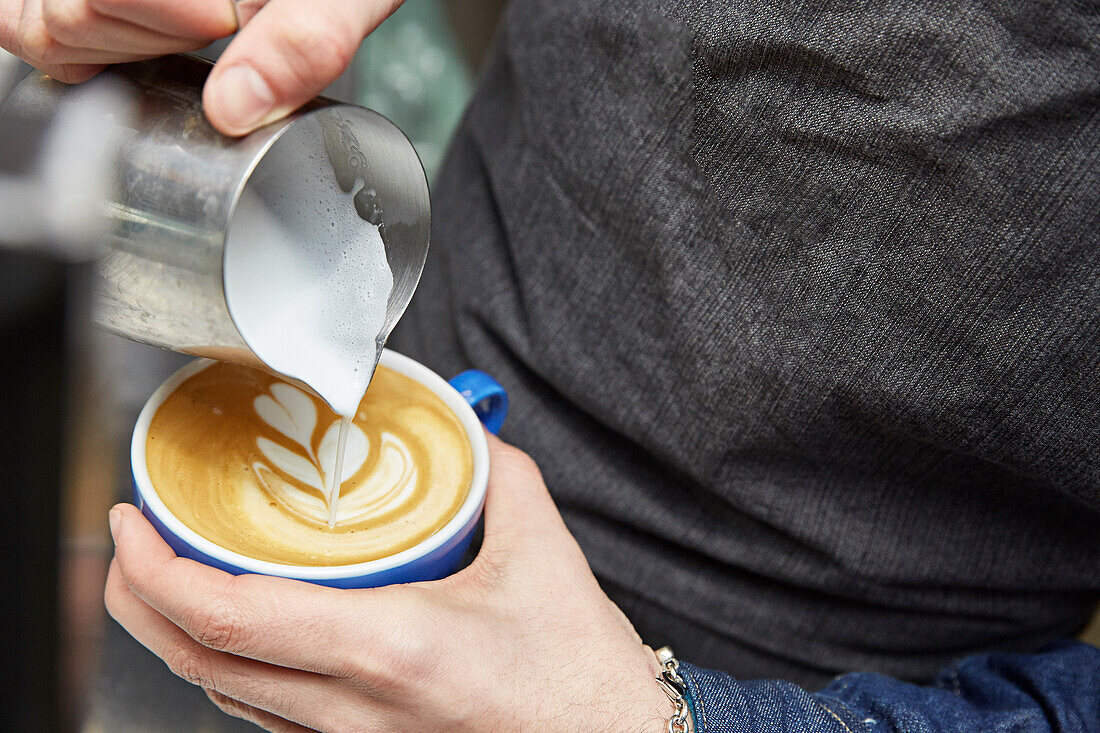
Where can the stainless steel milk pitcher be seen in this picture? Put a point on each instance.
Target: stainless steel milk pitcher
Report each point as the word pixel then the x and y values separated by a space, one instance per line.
pixel 172 189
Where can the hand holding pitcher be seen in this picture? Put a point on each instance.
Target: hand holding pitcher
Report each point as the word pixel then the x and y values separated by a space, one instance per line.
pixel 285 52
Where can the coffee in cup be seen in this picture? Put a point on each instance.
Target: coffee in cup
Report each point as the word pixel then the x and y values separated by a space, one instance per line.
pixel 244 459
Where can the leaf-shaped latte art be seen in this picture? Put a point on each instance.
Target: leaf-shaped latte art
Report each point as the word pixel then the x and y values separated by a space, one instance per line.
pixel 293 464
pixel 290 411
pixel 306 503
pixel 391 484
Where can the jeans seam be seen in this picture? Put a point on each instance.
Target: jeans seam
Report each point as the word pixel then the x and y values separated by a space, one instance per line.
pixel 703 714
pixel 697 701
pixel 844 707
pixel 830 712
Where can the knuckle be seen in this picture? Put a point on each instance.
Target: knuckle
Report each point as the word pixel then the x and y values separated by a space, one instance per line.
pixel 71 73
pixel 189 666
pixel 123 9
pixel 409 657
pixel 68 21
pixel 38 47
pixel 231 707
pixel 216 626
pixel 190 18
pixel 403 660
pixel 107 6
pixel 225 704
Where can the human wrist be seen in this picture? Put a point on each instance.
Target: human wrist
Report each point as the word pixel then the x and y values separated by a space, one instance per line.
pixel 674 688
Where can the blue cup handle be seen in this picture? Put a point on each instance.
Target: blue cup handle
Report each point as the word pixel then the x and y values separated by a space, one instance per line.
pixel 485 395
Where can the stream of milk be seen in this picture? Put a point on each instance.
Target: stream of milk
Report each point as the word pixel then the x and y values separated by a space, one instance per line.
pixel 307 280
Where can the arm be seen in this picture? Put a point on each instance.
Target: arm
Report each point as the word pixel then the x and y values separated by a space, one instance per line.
pixel 1057 689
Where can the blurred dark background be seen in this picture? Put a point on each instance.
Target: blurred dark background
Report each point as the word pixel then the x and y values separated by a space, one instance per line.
pixel 69 395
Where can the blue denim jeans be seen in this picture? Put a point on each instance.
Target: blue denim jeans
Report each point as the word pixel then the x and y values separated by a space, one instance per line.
pixel 1057 689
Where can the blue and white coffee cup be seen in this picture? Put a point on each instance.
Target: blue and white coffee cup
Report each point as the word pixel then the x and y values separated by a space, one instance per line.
pixel 473 396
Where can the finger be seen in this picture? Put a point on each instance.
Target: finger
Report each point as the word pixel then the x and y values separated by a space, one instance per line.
pixel 285 622
pixel 42 50
pixel 72 73
pixel 523 528
pixel 75 24
pixel 247 9
pixel 304 697
pixel 183 18
pixel 517 505
pixel 274 723
pixel 10 13
pixel 288 53
pixel 262 718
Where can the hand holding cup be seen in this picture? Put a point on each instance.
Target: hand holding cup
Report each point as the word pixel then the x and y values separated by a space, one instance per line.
pixel 522 639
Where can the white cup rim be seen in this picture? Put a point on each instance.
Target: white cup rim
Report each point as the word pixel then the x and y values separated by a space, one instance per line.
pixel 403 365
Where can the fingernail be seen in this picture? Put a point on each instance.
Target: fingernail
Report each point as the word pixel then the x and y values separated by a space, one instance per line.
pixel 113 518
pixel 244 96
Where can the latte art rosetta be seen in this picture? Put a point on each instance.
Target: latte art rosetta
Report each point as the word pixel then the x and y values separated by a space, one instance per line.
pixel 245 460
pixel 301 474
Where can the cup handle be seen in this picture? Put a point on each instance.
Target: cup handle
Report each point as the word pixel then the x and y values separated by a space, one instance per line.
pixel 485 395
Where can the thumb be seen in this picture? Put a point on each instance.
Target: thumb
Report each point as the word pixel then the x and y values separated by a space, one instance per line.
pixel 518 506
pixel 286 54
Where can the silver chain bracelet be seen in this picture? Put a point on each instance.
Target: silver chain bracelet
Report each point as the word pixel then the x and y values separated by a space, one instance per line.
pixel 673 684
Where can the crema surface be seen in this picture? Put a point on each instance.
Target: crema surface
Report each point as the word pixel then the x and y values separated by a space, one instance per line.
pixel 243 459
